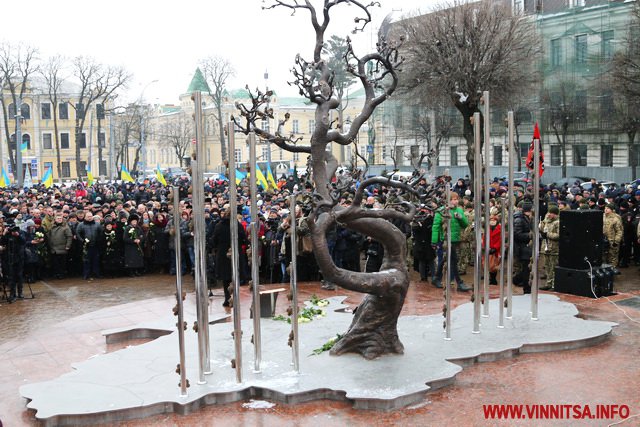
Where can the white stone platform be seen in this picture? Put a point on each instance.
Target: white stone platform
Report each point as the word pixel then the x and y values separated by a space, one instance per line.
pixel 140 381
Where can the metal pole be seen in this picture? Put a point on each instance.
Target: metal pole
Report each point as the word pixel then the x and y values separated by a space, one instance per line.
pixel 19 178
pixel 202 301
pixel 477 206
pixel 487 213
pixel 112 148
pixel 255 273
pixel 233 221
pixel 512 154
pixel 502 249
pixel 447 280
pixel 536 229
pixel 176 230
pixel 294 286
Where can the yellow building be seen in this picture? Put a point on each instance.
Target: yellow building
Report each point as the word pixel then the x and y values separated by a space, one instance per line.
pixel 38 132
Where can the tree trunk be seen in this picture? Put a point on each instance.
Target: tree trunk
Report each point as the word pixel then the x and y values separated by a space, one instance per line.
pixel 632 154
pixel 564 154
pixel 12 159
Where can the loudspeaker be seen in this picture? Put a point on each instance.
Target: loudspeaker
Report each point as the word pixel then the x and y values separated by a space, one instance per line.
pixel 579 282
pixel 580 237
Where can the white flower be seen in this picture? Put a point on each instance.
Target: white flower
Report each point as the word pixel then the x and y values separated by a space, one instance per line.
pixel 323 303
pixel 86 240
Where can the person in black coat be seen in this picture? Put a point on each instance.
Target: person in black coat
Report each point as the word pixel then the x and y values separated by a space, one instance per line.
pixel 423 253
pixel 522 250
pixel 89 234
pixel 133 238
pixel 111 248
pixel 12 244
pixel 221 243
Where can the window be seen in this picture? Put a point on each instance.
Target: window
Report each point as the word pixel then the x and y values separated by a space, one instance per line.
pixel 265 124
pixel 497 155
pixel 606 155
pixel 397 122
pixel 606 48
pixel 556 155
pixel 237 155
pixel 580 155
pixel 312 126
pixel 265 153
pixel 79 110
pixel 64 141
pixel 102 140
pixel 47 143
pixel 45 111
pixel 25 111
pixel 606 109
pixel 581 49
pixel 26 139
pixel 11 111
pixel 384 152
pixel 280 154
pixel 296 126
pixel 296 156
pixel 102 168
pixel 415 152
pixel 66 169
pixel 63 111
pixel 83 166
pixel 453 160
pixel 82 140
pixel 399 155
pixel 524 149
pixel 555 52
pixel 47 166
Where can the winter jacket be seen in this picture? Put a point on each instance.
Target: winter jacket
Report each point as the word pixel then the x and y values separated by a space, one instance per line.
pixel 457 225
pixel 91 231
pixel 60 238
pixel 522 236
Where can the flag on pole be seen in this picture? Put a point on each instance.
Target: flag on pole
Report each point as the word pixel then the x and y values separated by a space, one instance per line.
pixel 270 177
pixel 160 176
pixel 23 147
pixel 530 158
pixel 240 176
pixel 4 179
pixel 47 179
pixel 125 175
pixel 260 179
pixel 89 176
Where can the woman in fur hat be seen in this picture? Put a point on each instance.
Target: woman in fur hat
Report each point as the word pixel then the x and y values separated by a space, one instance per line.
pixel 133 238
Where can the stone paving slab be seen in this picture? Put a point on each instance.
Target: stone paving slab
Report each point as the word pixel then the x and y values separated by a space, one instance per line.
pixel 139 381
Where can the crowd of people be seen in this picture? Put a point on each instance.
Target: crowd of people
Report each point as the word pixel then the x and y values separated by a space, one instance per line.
pixel 111 229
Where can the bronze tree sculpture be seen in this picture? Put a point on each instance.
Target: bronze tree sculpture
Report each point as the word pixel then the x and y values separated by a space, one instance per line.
pixel 373 331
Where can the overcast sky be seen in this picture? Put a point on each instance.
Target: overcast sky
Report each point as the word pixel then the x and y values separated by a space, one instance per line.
pixel 163 41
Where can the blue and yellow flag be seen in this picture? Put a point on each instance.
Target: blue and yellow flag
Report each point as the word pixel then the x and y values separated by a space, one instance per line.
pixel 160 176
pixel 240 176
pixel 125 175
pixel 260 179
pixel 23 147
pixel 270 177
pixel 47 179
pixel 89 177
pixel 4 179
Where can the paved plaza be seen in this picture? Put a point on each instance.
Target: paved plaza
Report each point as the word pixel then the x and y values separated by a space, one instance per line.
pixel 41 338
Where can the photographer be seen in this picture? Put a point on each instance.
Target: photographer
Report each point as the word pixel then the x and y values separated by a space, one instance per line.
pixel 12 244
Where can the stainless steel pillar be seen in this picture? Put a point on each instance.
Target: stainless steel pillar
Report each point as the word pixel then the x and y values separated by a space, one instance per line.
pixel 176 230
pixel 536 229
pixel 199 238
pixel 295 347
pixel 512 211
pixel 447 280
pixel 487 214
pixel 477 206
pixel 503 212
pixel 255 273
pixel 235 280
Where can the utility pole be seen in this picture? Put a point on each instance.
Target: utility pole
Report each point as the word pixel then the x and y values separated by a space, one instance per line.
pixel 19 172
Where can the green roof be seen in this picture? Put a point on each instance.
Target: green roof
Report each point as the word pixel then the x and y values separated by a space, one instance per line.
pixel 198 83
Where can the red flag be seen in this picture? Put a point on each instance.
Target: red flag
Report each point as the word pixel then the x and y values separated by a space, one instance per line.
pixel 530 159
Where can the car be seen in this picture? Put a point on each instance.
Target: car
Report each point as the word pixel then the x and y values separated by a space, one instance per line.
pixel 604 185
pixel 570 181
pixel 173 172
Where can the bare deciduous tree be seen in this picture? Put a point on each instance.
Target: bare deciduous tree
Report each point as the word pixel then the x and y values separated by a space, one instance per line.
pixel 373 331
pixel 176 133
pixel 97 82
pixel 52 74
pixel 626 85
pixel 217 71
pixel 17 64
pixel 466 48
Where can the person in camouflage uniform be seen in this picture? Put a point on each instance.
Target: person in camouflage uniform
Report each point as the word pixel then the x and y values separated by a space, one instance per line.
pixel 550 233
pixel 467 241
pixel 612 230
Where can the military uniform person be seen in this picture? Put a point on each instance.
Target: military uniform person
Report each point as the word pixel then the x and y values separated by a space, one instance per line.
pixel 612 230
pixel 466 241
pixel 550 232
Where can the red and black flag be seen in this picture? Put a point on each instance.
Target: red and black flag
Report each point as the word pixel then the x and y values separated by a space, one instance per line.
pixel 530 158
